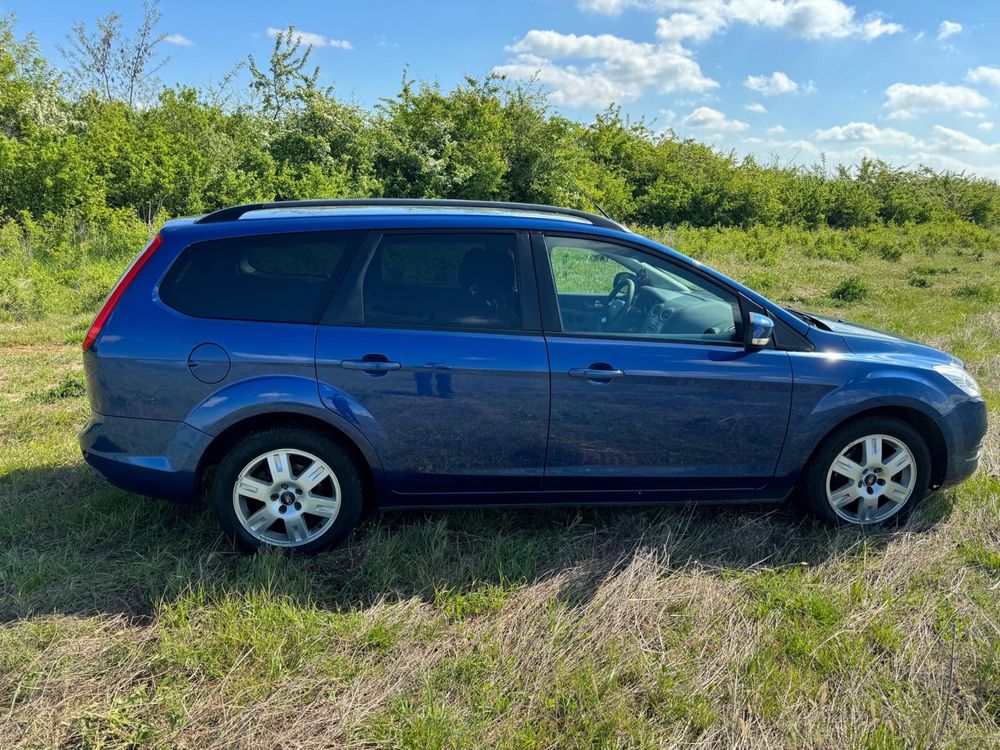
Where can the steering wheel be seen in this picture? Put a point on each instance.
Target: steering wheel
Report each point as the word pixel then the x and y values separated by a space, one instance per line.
pixel 624 292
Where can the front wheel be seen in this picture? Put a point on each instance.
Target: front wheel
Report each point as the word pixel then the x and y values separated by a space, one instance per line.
pixel 869 472
pixel 288 488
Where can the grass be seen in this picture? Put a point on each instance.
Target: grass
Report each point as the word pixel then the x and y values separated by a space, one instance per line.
pixel 129 623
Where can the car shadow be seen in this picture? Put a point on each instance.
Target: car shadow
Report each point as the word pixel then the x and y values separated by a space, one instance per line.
pixel 72 544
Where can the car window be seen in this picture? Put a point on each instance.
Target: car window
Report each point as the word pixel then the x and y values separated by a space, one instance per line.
pixel 443 281
pixel 610 289
pixel 284 278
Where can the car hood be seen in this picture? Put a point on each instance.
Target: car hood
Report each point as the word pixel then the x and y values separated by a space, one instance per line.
pixel 864 340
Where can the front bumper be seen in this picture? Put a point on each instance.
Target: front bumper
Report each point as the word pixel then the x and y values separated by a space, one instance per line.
pixel 964 428
pixel 147 456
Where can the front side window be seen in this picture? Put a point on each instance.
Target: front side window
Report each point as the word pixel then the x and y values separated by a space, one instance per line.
pixel 282 278
pixel 443 281
pixel 610 289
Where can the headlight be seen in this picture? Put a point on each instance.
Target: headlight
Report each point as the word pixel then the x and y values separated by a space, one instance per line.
pixel 957 375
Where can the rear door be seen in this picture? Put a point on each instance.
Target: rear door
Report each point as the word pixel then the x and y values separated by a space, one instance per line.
pixel 434 348
pixel 652 388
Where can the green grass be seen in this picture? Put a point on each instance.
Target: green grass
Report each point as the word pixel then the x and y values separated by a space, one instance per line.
pixel 129 623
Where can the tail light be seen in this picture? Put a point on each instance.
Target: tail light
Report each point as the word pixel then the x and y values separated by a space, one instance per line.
pixel 119 289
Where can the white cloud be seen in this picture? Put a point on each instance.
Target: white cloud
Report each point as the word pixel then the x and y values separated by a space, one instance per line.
pixel 984 74
pixel 876 27
pixel 620 70
pixel 866 132
pixel 312 39
pixel 904 100
pixel 951 164
pixel 811 19
pixel 756 107
pixel 956 140
pixel 985 126
pixel 948 28
pixel 772 85
pixel 713 121
pixel 776 130
pixel 178 39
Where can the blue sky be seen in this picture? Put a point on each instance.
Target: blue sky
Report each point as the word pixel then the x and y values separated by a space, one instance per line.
pixel 912 82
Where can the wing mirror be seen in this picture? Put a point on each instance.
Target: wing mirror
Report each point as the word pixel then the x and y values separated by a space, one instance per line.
pixel 759 331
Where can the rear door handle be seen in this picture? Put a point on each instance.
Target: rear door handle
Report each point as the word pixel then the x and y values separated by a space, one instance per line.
pixel 369 365
pixel 593 373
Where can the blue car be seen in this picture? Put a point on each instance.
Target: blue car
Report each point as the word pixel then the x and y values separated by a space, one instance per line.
pixel 299 363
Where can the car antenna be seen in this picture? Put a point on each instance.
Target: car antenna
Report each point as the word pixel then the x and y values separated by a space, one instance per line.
pixel 593 202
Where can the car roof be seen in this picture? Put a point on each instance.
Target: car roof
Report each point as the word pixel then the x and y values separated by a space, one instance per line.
pixel 402 207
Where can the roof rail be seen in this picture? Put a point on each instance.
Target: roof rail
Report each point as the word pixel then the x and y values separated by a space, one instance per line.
pixel 235 212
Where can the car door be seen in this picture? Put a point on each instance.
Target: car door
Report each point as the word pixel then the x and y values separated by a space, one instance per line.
pixel 652 387
pixel 438 355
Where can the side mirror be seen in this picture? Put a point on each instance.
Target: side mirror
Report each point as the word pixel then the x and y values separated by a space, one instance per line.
pixel 759 330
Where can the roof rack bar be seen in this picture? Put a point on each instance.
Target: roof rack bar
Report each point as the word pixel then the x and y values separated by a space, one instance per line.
pixel 235 212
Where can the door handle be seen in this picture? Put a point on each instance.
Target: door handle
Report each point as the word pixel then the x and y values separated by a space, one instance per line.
pixel 370 365
pixel 596 373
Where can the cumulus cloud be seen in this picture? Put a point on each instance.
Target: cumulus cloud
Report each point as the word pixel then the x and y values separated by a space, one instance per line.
pixel 985 126
pixel 756 107
pixel 948 28
pixel 179 39
pixel 776 130
pixel 772 85
pixel 955 140
pixel 866 132
pixel 984 74
pixel 905 100
pixel 616 69
pixel 811 19
pixel 713 121
pixel 312 39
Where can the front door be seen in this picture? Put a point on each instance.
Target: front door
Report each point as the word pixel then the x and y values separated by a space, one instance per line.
pixel 652 388
pixel 444 375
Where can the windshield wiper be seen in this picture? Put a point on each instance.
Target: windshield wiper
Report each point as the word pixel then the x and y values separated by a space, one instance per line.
pixel 811 319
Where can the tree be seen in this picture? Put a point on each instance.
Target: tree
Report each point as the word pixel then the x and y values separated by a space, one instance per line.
pixel 116 66
pixel 285 84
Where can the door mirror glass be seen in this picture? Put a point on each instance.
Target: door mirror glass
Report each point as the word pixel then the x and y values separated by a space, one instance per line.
pixel 759 331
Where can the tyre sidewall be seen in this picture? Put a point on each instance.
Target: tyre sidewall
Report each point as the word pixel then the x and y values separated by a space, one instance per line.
pixel 816 475
pixel 351 500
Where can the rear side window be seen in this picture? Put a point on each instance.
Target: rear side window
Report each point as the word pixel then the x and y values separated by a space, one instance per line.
pixel 444 281
pixel 282 278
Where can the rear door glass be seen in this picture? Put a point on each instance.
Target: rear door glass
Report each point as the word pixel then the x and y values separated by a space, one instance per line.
pixel 463 281
pixel 282 278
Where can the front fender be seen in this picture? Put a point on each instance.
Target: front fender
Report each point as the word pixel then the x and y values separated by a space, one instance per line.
pixel 278 394
pixel 830 390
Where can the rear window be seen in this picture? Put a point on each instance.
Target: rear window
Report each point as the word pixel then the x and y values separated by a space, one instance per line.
pixel 444 281
pixel 282 278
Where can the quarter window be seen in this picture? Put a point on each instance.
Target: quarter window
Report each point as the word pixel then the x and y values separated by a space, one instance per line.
pixel 610 289
pixel 444 281
pixel 282 278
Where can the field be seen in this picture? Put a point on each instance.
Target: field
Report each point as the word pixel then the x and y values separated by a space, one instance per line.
pixel 129 623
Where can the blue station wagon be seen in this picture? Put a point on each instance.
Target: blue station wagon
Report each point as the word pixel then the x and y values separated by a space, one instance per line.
pixel 297 363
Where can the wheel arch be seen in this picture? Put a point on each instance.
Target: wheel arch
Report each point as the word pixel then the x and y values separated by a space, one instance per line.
pixel 370 470
pixel 917 419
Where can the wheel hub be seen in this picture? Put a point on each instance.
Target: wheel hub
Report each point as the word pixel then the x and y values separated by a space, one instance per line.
pixel 287 497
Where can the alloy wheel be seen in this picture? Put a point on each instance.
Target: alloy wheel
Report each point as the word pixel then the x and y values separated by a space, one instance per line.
pixel 871 479
pixel 286 497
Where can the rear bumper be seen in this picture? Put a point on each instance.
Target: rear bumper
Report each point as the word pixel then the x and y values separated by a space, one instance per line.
pixel 964 428
pixel 147 456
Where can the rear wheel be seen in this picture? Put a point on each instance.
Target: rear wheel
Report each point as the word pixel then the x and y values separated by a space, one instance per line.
pixel 869 472
pixel 288 488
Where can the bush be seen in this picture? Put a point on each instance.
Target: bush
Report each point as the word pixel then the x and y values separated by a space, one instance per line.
pixel 851 289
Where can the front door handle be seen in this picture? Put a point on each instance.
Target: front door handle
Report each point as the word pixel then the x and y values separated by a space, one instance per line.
pixel 598 374
pixel 370 365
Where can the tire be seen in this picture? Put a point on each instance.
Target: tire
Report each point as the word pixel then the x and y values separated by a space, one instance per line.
pixel 288 488
pixel 848 482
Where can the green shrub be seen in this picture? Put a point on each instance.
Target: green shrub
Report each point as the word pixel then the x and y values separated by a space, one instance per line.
pixel 851 289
